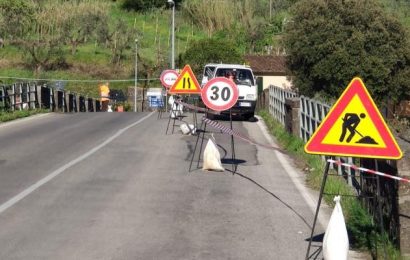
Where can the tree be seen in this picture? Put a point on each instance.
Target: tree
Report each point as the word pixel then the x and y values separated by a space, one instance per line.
pixel 122 38
pixel 328 42
pixel 211 50
pixel 82 21
pixel 16 17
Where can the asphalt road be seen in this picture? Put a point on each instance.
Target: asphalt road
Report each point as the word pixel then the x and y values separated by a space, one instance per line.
pixel 115 186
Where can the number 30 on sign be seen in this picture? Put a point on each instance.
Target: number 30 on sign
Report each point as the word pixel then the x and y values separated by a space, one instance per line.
pixel 220 94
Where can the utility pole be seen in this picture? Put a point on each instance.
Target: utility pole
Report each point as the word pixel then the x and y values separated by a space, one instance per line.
pixel 136 75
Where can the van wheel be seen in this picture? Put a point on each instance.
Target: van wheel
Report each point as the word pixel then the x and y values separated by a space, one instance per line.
pixel 250 117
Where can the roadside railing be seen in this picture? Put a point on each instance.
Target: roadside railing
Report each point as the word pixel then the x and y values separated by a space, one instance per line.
pixel 20 96
pixel 372 191
pixel 312 112
pixel 277 98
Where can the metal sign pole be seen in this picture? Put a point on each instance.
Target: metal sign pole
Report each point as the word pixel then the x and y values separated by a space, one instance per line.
pixel 172 112
pixel 379 208
pixel 322 188
pixel 196 144
pixel 234 165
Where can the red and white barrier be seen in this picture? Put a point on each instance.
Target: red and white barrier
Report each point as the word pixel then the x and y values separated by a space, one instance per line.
pixel 354 167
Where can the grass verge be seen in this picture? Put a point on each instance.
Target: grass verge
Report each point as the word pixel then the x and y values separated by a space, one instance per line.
pixel 363 232
pixel 8 116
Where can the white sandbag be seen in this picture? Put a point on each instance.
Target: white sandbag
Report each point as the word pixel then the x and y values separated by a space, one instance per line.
pixel 187 129
pixel 176 110
pixel 212 158
pixel 171 100
pixel 336 241
pixel 109 108
pixel 180 109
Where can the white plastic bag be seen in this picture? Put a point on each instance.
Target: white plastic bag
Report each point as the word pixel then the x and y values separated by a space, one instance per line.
pixel 336 241
pixel 187 129
pixel 173 111
pixel 171 100
pixel 176 109
pixel 212 158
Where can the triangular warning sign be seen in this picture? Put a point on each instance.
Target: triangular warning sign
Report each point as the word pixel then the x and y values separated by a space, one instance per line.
pixel 354 127
pixel 186 83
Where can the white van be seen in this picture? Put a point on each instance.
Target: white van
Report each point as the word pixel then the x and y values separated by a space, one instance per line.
pixel 244 80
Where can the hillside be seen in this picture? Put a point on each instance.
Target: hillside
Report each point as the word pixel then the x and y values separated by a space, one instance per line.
pixel 92 60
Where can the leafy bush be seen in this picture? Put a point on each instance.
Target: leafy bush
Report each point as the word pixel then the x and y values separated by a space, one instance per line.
pixel 211 50
pixel 356 38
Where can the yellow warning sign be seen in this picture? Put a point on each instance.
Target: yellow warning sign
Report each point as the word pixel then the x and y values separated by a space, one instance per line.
pixel 186 83
pixel 354 127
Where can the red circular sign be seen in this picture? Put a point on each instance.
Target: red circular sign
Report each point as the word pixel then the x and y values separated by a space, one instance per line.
pixel 220 94
pixel 168 78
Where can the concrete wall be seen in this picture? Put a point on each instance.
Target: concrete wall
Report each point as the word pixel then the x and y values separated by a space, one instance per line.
pixel 279 81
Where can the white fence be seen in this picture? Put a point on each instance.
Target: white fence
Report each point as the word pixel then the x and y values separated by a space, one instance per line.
pixel 312 112
pixel 277 97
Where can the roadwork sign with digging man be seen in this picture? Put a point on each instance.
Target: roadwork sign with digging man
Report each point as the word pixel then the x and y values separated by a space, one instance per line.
pixel 350 123
pixel 354 127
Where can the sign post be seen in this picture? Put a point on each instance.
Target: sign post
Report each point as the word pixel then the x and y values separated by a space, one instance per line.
pixel 353 127
pixel 168 78
pixel 218 94
pixel 186 83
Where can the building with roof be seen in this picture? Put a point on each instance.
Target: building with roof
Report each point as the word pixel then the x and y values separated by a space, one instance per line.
pixel 269 70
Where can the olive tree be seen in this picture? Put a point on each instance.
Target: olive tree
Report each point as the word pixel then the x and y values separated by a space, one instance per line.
pixel 328 42
pixel 16 17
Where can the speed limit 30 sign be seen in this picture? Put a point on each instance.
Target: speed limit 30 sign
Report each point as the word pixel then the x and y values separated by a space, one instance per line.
pixel 220 94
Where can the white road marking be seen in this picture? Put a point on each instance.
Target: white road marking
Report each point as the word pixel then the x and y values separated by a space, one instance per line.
pixel 11 202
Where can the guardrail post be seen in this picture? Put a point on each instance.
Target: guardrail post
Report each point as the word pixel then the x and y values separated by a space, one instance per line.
pixel 38 96
pixel 86 103
pixel 11 93
pixel 56 100
pixel 67 100
pixel 292 107
pixel 90 104
pixel 32 97
pixel 51 97
pixel 77 103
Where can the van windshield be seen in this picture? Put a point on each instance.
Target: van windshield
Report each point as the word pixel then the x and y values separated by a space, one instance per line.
pixel 240 76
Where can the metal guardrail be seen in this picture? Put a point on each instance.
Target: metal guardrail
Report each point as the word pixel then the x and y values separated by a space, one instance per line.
pixel 277 97
pixel 24 96
pixel 18 96
pixel 312 112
